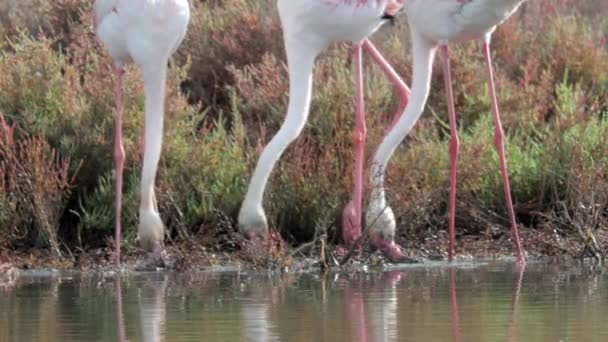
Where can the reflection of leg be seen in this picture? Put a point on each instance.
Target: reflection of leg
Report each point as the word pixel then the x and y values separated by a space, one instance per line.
pixel 122 337
pixel 351 218
pixel 382 311
pixel 515 303
pixel 355 308
pixel 391 278
pixel 500 148
pixel 152 308
pixel 260 297
pixel 454 147
pixel 454 306
pixel 257 322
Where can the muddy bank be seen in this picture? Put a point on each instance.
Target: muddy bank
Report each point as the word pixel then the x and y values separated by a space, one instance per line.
pixel 204 252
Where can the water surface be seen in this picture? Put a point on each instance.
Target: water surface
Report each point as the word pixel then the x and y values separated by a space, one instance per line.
pixel 466 302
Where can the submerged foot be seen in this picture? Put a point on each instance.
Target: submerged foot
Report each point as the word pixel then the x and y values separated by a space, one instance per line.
pixel 8 275
pixel 351 224
pixel 253 226
pixel 388 247
pixel 382 224
pixel 159 258
pixel 151 233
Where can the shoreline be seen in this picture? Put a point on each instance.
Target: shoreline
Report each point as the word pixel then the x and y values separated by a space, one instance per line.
pixel 197 255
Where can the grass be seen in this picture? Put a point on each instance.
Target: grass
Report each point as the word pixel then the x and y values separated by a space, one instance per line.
pixel 228 95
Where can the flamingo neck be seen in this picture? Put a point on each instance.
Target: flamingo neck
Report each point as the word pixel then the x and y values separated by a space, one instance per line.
pixel 300 63
pixel 423 54
pixel 154 88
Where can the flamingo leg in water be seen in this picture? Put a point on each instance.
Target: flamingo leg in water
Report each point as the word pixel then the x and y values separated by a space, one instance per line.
pixel 402 90
pixel 500 148
pixel 454 147
pixel 119 159
pixel 351 218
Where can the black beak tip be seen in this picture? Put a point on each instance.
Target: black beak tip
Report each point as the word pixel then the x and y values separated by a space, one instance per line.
pixel 387 16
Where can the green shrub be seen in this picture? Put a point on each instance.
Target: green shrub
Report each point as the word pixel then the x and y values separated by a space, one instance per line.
pixel 227 96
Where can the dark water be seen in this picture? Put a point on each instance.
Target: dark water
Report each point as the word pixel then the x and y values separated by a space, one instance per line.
pixel 482 302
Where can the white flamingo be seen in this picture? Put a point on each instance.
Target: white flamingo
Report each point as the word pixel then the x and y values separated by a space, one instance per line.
pixel 434 24
pixel 309 26
pixel 145 32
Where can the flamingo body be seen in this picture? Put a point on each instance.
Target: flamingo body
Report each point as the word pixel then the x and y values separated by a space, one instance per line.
pixel 327 21
pixel 141 31
pixel 445 21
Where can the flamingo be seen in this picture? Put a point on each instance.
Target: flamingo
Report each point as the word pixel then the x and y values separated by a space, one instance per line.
pixel 434 24
pixel 309 26
pixel 146 32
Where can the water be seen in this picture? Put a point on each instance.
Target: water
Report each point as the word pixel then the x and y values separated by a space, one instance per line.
pixel 481 302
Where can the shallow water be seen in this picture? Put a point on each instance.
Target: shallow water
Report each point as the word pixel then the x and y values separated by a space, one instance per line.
pixel 466 302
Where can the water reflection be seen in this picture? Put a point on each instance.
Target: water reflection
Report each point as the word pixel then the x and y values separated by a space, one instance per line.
pixel 383 307
pixel 515 303
pixel 260 295
pixel 454 306
pixel 371 305
pixel 438 303
pixel 512 323
pixel 120 317
pixel 152 307
pixel 151 298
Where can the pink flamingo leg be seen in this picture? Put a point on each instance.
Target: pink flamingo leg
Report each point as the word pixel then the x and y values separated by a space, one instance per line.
pixel 119 159
pixel 500 148
pixel 402 90
pixel 351 218
pixel 454 147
